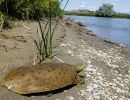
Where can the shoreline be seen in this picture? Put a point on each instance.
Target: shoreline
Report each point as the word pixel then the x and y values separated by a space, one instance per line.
pixel 108 40
pixel 107 68
pixel 104 38
pixel 104 62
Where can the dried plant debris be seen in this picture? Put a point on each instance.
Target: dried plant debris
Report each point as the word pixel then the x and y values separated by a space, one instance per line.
pixel 19 38
pixel 107 71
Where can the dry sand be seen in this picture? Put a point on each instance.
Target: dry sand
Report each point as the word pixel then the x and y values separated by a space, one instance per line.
pixel 107 69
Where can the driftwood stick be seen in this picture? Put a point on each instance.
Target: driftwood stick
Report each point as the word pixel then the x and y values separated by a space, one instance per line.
pixel 5 70
pixel 26 27
pixel 59 59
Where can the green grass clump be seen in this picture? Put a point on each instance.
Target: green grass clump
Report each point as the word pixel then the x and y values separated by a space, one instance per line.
pixel 44 44
pixel 5 21
pixel 122 15
pixel 36 9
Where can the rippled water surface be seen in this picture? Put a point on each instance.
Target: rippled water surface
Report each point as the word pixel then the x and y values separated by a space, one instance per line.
pixel 115 29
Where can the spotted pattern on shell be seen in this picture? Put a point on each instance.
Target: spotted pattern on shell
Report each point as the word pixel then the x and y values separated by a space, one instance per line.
pixel 39 78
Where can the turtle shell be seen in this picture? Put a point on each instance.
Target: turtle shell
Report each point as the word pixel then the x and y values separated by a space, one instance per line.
pixel 39 78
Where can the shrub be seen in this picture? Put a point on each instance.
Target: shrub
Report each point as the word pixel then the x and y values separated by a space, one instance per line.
pixel 5 21
pixel 22 9
pixel 106 10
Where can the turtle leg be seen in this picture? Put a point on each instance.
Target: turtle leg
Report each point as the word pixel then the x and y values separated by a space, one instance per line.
pixel 79 80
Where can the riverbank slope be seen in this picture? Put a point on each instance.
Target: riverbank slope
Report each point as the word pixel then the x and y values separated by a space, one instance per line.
pixel 107 71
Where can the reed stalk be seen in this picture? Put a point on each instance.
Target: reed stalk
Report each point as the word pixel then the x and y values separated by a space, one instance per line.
pixel 44 45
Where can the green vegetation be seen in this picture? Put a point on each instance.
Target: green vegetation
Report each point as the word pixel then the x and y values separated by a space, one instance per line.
pixel 5 21
pixel 34 10
pixel 81 13
pixel 116 15
pixel 121 15
pixel 44 45
pixel 106 10
pixel 22 9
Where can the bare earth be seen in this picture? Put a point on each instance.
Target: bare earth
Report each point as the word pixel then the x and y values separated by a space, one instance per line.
pixel 107 69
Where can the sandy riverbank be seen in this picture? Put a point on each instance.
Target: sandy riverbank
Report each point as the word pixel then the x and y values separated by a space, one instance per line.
pixel 107 64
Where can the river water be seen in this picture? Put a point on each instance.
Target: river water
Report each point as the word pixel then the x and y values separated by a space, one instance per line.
pixel 115 29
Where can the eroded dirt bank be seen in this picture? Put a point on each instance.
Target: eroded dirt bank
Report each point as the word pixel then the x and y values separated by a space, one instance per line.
pixel 107 69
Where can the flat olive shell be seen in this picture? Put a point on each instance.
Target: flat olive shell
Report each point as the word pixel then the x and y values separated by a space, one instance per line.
pixel 39 78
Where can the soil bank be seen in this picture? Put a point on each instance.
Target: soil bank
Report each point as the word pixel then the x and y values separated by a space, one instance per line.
pixel 107 64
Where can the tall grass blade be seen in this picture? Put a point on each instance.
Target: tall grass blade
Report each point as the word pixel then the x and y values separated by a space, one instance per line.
pixel 45 43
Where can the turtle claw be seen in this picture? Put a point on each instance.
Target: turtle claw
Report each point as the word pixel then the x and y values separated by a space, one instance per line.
pixel 49 95
pixel 79 80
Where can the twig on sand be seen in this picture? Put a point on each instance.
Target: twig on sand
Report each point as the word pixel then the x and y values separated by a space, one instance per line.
pixel 63 25
pixel 26 27
pixel 59 59
pixel 5 70
pixel 34 55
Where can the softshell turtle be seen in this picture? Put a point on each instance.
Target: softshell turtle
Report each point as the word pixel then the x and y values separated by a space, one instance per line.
pixel 42 77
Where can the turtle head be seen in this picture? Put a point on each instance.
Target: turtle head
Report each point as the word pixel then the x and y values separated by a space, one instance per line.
pixel 80 67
